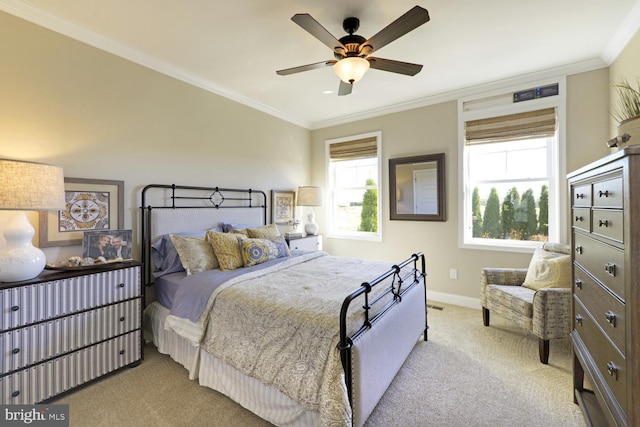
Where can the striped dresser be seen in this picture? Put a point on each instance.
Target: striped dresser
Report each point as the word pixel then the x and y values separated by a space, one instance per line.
pixel 66 328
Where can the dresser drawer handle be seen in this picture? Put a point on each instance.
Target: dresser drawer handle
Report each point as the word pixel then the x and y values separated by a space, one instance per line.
pixel 579 219
pixel 612 369
pixel 610 268
pixel 121 351
pixel 611 318
pixel 122 319
pixel 15 308
pixel 15 393
pixel 579 319
pixel 121 285
pixel 579 196
pixel 15 351
pixel 578 283
pixel 604 193
pixel 604 223
pixel 579 250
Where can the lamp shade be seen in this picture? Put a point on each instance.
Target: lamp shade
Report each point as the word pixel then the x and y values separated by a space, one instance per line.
pixel 31 186
pixel 309 196
pixel 351 69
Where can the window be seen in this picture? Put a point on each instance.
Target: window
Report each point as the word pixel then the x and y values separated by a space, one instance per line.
pixel 353 181
pixel 511 174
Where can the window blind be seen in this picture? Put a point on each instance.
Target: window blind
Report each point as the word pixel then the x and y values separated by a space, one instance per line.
pixel 531 124
pixel 353 150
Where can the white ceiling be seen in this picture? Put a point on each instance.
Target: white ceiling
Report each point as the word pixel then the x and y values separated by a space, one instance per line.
pixel 234 48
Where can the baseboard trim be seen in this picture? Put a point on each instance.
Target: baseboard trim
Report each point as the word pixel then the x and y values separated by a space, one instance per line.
pixel 453 299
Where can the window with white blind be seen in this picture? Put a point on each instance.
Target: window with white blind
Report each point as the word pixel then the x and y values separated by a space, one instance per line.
pixel 511 174
pixel 354 177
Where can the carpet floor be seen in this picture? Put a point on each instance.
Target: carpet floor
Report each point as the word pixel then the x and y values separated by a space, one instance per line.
pixel 464 375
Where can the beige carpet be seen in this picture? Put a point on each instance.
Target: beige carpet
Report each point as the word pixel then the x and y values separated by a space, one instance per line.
pixel 465 375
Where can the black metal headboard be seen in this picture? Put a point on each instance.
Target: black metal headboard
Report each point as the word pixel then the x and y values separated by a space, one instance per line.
pixel 179 208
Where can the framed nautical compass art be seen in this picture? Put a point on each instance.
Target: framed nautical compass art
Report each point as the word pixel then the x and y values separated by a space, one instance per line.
pixel 90 205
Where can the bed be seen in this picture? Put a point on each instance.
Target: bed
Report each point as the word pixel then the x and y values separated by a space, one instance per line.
pixel 299 338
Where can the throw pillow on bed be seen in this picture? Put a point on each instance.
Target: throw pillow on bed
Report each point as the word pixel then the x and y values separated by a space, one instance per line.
pixel 195 253
pixel 257 251
pixel 227 249
pixel 266 232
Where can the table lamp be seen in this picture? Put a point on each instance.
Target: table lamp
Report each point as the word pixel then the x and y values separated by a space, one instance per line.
pixel 310 196
pixel 26 186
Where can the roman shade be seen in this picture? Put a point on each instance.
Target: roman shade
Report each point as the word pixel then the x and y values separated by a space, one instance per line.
pixel 353 150
pixel 528 125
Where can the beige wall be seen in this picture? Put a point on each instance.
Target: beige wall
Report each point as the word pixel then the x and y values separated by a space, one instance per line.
pixel 626 65
pixel 434 129
pixel 102 117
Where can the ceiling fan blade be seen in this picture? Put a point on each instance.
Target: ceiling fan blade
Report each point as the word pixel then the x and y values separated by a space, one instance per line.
pixel 313 27
pixel 401 26
pixel 399 67
pixel 345 88
pixel 307 67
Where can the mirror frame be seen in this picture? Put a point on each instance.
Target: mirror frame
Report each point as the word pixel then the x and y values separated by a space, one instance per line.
pixel 440 186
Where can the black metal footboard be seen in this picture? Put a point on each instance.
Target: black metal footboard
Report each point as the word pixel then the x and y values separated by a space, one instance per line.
pixel 404 276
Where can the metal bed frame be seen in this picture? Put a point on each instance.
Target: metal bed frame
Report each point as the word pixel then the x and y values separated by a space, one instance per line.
pixel 405 275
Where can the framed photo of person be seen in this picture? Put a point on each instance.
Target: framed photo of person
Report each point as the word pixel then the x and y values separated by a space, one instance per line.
pixel 112 245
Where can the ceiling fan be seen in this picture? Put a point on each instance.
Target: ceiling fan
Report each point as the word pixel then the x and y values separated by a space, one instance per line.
pixel 352 51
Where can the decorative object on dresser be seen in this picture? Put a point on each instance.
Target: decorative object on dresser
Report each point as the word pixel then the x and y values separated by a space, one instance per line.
pixel 605 204
pixel 66 328
pixel 537 298
pixel 26 186
pixel 90 204
pixel 311 197
pixel 626 111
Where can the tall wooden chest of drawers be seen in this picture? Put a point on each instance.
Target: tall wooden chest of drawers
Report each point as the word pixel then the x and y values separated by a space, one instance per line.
pixel 65 328
pixel 605 215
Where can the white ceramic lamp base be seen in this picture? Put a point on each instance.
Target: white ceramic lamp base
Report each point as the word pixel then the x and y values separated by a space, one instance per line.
pixel 311 227
pixel 19 259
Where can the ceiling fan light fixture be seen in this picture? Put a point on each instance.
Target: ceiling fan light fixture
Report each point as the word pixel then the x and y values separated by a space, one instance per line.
pixel 351 69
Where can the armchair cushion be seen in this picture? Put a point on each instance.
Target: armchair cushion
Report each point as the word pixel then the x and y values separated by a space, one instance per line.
pixel 548 270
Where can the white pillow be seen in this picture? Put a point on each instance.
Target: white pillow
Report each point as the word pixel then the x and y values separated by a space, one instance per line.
pixel 548 270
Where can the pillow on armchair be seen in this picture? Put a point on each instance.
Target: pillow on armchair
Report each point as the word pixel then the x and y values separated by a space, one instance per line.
pixel 548 270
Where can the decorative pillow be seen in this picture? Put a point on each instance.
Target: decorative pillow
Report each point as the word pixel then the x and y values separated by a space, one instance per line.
pixel 266 232
pixel 196 254
pixel 164 255
pixel 228 226
pixel 548 270
pixel 227 249
pixel 257 251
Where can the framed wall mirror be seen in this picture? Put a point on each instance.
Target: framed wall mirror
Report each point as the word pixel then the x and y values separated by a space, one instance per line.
pixel 417 188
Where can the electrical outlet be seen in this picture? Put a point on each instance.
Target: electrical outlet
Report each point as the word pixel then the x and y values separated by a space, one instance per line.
pixel 453 273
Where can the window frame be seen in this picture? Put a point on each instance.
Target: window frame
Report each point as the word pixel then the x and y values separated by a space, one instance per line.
pixel 329 212
pixel 494 104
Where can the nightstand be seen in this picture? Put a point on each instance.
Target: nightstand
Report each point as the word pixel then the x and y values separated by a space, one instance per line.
pixel 306 243
pixel 66 328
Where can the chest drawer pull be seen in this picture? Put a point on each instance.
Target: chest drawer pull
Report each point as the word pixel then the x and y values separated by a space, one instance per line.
pixel 612 369
pixel 121 351
pixel 579 249
pixel 603 193
pixel 15 308
pixel 120 285
pixel 610 268
pixel 122 319
pixel 579 319
pixel 578 283
pixel 604 223
pixel 579 196
pixel 611 318
pixel 15 351
pixel 15 393
pixel 579 219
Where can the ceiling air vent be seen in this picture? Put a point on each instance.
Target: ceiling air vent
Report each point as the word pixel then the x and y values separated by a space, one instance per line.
pixel 535 93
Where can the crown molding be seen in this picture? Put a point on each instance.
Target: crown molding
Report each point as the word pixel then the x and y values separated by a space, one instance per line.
pixel 625 33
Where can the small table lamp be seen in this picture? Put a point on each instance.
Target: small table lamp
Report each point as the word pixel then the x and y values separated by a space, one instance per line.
pixel 26 186
pixel 310 196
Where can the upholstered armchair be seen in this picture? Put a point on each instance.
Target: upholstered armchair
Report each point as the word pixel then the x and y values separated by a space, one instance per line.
pixel 537 298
